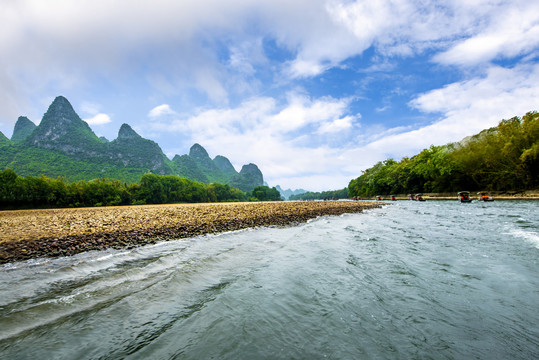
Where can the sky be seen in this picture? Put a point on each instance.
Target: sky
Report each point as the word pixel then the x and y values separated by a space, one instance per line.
pixel 312 91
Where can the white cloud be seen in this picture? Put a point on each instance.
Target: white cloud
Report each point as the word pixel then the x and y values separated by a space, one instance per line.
pixel 467 107
pixel 512 30
pixel 161 110
pixel 215 49
pixel 98 119
pixel 269 130
pixel 337 125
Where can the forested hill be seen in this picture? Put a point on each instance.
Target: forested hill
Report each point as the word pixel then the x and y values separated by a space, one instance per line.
pixel 505 157
pixel 64 145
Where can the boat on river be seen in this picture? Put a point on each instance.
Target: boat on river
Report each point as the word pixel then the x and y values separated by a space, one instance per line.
pixel 393 197
pixel 484 197
pixel 419 197
pixel 379 197
pixel 464 196
pixel 411 197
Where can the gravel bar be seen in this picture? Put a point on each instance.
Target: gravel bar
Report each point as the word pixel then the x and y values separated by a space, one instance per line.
pixel 27 234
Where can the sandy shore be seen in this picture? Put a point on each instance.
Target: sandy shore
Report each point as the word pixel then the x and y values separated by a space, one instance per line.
pixel 30 234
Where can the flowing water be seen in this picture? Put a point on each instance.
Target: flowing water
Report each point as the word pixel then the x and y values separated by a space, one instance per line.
pixel 431 280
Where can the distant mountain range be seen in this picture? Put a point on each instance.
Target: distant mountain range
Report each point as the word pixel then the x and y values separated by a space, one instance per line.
pixel 288 192
pixel 63 145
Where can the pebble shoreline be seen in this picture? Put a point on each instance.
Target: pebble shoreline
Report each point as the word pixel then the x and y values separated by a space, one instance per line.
pixel 28 234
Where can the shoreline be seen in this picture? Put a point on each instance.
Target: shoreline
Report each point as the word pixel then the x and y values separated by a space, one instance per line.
pixel 29 234
pixel 497 195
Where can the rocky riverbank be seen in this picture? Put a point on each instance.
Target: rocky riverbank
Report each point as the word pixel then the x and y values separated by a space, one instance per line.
pixel 30 234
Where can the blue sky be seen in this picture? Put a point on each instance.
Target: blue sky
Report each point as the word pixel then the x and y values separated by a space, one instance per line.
pixel 312 91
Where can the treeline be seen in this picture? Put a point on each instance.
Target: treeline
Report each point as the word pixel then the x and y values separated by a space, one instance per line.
pixel 264 193
pixel 324 195
pixel 18 192
pixel 502 158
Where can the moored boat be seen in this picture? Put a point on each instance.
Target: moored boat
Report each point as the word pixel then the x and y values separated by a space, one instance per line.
pixel 484 197
pixel 464 196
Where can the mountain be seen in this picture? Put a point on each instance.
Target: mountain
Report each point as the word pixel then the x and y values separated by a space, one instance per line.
pixel 61 129
pixel 187 167
pixel 3 139
pixel 64 145
pixel 130 149
pixel 288 192
pixel 225 166
pixel 207 165
pixel 200 167
pixel 249 177
pixel 23 128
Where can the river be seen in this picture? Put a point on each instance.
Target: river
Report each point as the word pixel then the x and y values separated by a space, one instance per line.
pixel 411 280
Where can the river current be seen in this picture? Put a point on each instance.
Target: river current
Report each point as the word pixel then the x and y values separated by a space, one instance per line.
pixel 411 280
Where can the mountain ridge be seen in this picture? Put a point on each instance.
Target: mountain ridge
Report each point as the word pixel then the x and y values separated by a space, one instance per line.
pixel 64 145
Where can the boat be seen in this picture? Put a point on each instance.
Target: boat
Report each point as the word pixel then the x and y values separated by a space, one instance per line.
pixel 484 197
pixel 464 196
pixel 411 196
pixel 379 197
pixel 393 197
pixel 419 197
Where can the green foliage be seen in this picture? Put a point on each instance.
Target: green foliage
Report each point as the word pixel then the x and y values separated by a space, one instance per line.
pixel 186 167
pixel 64 145
pixel 501 158
pixel 43 192
pixel 23 128
pixel 3 139
pixel 324 195
pixel 264 193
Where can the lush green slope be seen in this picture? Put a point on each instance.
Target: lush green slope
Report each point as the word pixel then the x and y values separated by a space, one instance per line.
pixel 43 192
pixel 64 145
pixel 3 139
pixel 331 194
pixel 502 158
pixel 23 129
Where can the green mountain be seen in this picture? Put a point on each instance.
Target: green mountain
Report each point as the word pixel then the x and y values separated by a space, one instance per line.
pixel 64 145
pixel 3 139
pixel 62 130
pixel 23 128
pixel 207 165
pixel 249 177
pixel 225 166
pixel 187 167
pixel 131 150
pixel 502 158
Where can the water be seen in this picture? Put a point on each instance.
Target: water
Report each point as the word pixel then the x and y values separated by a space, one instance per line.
pixel 432 280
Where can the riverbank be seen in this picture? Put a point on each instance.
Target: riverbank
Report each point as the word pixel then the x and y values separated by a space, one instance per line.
pixel 27 234
pixel 496 195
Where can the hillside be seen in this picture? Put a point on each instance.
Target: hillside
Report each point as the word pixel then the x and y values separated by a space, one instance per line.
pixel 502 158
pixel 63 145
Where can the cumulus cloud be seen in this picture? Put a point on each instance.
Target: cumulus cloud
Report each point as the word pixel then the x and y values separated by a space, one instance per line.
pixel 161 110
pixel 263 126
pixel 467 107
pixel 233 56
pixel 270 130
pixel 98 119
pixel 512 30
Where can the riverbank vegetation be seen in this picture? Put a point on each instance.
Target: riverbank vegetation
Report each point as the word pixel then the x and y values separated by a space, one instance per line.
pixel 505 157
pixel 17 192
pixel 323 195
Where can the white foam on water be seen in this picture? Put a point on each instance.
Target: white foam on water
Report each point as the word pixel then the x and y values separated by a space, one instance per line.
pixel 530 236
